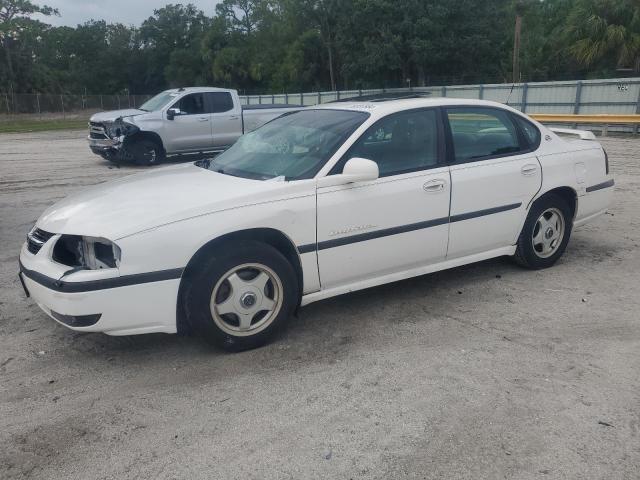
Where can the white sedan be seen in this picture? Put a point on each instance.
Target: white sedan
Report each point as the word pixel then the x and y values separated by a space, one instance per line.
pixel 314 204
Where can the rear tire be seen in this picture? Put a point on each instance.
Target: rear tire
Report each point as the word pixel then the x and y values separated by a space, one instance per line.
pixel 239 299
pixel 546 232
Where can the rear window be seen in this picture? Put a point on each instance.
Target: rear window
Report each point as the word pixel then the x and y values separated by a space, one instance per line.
pixel 482 133
pixel 220 102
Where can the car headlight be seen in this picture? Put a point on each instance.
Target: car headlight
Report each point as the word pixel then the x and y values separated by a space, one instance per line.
pixel 86 252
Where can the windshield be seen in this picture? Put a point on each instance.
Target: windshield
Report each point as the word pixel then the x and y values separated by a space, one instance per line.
pixel 294 146
pixel 159 101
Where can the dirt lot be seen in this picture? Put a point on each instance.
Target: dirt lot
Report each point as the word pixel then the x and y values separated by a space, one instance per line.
pixel 486 371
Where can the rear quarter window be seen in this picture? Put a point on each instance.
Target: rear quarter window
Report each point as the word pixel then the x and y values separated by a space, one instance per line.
pixel 529 130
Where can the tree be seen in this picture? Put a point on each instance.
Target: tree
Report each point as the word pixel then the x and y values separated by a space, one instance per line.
pixel 605 34
pixel 14 18
pixel 174 28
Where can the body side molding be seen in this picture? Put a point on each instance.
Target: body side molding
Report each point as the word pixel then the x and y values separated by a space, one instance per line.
pixel 93 285
pixel 609 183
pixel 363 237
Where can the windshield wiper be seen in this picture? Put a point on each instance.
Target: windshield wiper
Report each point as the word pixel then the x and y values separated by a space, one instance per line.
pixel 210 165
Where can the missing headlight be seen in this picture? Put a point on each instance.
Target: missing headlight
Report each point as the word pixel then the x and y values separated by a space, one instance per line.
pixel 119 128
pixel 86 252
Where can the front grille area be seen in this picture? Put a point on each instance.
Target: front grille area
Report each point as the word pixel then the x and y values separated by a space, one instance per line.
pixel 36 239
pixel 97 130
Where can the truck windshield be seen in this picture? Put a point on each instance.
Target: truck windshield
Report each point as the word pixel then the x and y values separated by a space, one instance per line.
pixel 294 146
pixel 159 101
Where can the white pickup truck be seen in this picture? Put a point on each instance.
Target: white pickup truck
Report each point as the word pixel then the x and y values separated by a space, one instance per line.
pixel 175 122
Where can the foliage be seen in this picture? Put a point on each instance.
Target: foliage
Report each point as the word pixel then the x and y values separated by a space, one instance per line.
pixel 308 45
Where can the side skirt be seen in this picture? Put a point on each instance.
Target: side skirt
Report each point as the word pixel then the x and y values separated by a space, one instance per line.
pixel 414 272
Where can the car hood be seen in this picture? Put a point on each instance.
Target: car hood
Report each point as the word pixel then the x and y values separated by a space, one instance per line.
pixel 112 115
pixel 139 202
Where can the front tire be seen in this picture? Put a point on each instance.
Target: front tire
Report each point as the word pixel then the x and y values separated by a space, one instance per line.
pixel 546 232
pixel 146 152
pixel 240 299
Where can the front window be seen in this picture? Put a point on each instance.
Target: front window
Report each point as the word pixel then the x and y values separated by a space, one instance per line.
pixel 292 147
pixel 192 104
pixel 399 143
pixel 159 101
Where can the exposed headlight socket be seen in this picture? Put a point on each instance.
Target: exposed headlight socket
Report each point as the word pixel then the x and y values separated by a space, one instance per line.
pixel 90 253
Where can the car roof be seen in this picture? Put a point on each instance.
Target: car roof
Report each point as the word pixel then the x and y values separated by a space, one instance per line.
pixel 197 89
pixel 381 108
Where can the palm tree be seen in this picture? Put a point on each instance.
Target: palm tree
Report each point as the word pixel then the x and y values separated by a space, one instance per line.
pixel 605 33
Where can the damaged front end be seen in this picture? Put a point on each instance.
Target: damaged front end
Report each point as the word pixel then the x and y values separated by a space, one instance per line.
pixel 108 139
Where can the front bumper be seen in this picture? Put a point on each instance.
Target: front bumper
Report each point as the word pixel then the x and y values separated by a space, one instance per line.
pixel 104 144
pixel 100 300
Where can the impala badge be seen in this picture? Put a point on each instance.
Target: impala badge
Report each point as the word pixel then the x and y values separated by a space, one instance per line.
pixel 357 228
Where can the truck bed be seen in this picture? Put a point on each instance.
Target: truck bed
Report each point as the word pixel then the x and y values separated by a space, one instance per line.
pixel 270 106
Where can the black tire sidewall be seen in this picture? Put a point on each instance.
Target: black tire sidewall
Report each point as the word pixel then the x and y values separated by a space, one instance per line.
pixel 526 252
pixel 140 146
pixel 203 278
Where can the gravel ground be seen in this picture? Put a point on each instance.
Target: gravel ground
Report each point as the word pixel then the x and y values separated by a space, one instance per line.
pixel 481 372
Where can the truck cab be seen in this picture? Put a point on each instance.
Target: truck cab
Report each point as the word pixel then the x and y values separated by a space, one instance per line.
pixel 177 122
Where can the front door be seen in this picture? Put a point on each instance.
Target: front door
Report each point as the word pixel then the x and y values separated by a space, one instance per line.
pixel 400 220
pixel 191 129
pixel 494 176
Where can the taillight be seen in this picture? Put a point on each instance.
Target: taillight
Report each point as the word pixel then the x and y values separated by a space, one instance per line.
pixel 606 162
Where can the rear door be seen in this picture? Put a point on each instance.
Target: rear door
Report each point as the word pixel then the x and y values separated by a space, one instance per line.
pixel 494 176
pixel 191 129
pixel 226 118
pixel 397 222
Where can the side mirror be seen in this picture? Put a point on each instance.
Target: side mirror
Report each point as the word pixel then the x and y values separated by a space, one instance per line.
pixel 355 170
pixel 172 112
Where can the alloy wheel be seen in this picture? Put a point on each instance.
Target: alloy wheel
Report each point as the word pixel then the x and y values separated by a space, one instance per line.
pixel 548 233
pixel 246 299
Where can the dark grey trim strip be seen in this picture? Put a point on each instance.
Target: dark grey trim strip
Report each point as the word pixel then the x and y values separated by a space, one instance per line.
pixel 363 237
pixel 482 213
pixel 311 247
pixel 600 186
pixel 93 285
pixel 77 320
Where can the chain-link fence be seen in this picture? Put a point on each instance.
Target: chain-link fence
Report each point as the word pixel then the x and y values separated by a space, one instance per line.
pixel 615 96
pixel 50 106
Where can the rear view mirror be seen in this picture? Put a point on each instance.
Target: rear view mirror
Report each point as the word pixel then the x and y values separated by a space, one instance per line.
pixel 355 170
pixel 172 113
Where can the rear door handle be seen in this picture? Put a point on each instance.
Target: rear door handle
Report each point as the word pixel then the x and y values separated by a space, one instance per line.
pixel 203 119
pixel 529 169
pixel 434 186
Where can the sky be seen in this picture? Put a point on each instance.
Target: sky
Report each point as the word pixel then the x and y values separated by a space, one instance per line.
pixel 73 12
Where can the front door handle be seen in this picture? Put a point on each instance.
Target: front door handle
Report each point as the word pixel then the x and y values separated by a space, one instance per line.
pixel 529 169
pixel 203 119
pixel 234 117
pixel 434 186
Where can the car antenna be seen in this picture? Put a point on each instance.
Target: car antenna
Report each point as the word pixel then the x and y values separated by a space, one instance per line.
pixel 510 92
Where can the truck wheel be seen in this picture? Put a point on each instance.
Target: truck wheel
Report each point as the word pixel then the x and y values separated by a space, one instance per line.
pixel 146 152
pixel 241 295
pixel 545 233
